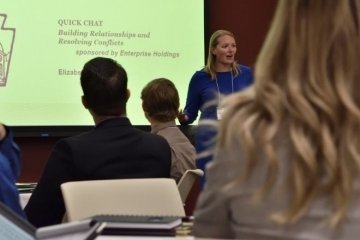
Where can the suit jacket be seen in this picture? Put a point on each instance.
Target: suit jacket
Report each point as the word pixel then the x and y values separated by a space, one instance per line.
pixel 113 149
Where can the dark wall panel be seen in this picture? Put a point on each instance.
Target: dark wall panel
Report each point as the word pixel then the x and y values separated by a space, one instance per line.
pixel 249 20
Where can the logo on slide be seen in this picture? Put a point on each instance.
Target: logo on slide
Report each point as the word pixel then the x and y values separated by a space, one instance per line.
pixel 7 36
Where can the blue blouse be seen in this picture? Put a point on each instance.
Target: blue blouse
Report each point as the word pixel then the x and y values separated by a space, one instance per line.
pixel 9 172
pixel 203 90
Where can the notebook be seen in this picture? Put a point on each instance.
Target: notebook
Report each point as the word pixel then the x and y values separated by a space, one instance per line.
pixel 14 227
pixel 133 221
pixel 139 225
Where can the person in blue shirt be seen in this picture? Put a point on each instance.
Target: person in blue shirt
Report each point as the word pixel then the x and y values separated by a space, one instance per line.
pixel 221 76
pixel 10 164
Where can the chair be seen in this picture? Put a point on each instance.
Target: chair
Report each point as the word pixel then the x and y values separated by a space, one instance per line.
pixel 187 181
pixel 147 196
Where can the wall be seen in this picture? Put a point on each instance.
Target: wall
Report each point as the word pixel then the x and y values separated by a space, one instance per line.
pixel 247 19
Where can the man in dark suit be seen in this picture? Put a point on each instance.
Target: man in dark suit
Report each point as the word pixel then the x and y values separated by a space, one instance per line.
pixel 113 149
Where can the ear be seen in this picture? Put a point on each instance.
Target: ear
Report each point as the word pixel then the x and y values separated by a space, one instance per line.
pixel 146 115
pixel 213 50
pixel 84 102
pixel 127 94
pixel 145 112
pixel 142 105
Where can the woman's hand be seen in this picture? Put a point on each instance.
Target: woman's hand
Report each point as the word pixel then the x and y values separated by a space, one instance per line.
pixel 2 132
pixel 182 117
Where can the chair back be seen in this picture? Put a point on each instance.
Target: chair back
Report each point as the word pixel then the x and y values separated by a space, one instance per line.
pixel 187 181
pixel 148 196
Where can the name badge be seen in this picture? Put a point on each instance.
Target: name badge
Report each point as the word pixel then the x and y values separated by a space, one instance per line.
pixel 219 113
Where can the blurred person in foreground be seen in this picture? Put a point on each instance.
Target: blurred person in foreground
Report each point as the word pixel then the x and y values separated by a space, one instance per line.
pixel 160 102
pixel 10 165
pixel 113 149
pixel 287 157
pixel 221 76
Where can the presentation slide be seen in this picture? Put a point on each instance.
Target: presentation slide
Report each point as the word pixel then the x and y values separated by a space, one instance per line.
pixel 44 45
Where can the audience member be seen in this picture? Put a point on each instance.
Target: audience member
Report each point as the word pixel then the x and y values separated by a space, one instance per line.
pixel 221 76
pixel 113 149
pixel 160 102
pixel 10 164
pixel 287 157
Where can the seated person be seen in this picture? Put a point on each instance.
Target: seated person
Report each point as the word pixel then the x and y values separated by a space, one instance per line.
pixel 286 162
pixel 10 164
pixel 113 149
pixel 160 102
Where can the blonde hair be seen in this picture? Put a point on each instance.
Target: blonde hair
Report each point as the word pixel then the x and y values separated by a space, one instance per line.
pixel 307 86
pixel 210 64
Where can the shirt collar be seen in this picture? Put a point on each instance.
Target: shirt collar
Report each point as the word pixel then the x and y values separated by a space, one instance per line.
pixel 156 127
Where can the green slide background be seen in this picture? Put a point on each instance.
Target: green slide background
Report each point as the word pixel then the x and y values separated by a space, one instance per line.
pixel 36 94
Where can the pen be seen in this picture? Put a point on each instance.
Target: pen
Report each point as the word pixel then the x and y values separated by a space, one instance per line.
pixel 95 231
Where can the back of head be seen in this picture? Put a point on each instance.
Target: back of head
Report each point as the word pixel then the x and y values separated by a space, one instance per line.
pixel 161 100
pixel 104 84
pixel 307 78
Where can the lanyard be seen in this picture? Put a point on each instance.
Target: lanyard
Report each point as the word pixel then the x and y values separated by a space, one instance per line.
pixel 217 85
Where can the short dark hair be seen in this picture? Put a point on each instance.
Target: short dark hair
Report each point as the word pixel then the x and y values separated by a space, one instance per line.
pixel 161 100
pixel 104 84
